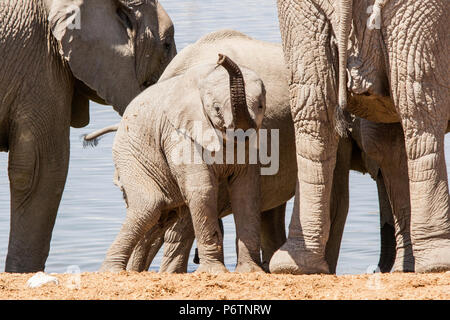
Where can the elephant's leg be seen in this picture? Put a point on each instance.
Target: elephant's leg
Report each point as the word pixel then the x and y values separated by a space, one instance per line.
pixel 245 199
pixel 430 212
pixel 339 202
pixel 148 247
pixel 196 259
pixel 146 250
pixel 200 189
pixel 273 233
pixel 142 214
pixel 178 242
pixel 38 164
pixel 387 228
pixel 420 86
pixel 384 143
pixel 306 43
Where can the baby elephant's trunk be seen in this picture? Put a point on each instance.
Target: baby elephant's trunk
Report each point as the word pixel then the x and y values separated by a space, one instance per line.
pixel 241 116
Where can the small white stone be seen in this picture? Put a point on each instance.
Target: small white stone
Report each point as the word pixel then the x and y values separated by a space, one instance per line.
pixel 39 279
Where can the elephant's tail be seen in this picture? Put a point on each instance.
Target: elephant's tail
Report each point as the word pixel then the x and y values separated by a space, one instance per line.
pixel 346 11
pixel 92 139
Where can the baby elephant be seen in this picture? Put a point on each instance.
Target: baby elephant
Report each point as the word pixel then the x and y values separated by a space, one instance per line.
pixel 191 115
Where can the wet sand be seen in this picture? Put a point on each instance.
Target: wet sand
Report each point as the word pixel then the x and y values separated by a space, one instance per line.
pixel 151 286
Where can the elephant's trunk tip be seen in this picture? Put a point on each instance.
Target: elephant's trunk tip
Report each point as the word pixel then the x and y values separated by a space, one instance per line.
pixel 221 59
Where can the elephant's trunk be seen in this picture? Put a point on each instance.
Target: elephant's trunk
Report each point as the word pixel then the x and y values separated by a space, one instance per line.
pixel 241 116
pixel 346 10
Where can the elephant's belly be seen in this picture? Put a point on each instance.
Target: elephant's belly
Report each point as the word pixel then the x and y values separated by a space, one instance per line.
pixel 373 108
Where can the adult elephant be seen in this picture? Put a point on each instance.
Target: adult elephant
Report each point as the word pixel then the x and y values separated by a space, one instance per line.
pixel 280 187
pixel 55 57
pixel 397 62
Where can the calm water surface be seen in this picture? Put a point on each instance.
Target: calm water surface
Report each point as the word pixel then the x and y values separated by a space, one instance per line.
pixel 92 208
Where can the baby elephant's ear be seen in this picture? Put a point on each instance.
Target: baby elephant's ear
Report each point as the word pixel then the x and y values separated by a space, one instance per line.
pixel 188 118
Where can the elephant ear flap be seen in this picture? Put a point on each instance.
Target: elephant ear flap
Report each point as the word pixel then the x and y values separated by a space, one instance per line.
pixel 65 15
pixel 189 120
pixel 97 48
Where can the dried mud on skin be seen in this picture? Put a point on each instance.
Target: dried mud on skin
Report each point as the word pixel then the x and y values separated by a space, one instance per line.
pixel 153 286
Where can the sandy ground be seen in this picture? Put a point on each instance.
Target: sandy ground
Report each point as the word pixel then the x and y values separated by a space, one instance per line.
pixel 193 286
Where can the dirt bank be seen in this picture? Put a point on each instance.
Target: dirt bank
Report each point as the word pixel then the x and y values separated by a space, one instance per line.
pixel 230 286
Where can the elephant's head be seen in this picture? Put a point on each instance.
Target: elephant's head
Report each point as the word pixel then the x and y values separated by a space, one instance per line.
pixel 230 103
pixel 114 48
pixel 224 97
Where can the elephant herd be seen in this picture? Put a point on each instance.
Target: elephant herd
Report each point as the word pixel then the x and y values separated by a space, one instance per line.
pixel 355 85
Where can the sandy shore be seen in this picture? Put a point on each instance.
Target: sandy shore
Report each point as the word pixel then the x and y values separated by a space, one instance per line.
pixel 229 286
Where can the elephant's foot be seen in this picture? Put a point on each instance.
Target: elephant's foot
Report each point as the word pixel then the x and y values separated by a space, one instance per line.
pixel 265 266
pixel 212 268
pixel 404 260
pixel 434 259
pixel 248 267
pixel 111 267
pixel 290 259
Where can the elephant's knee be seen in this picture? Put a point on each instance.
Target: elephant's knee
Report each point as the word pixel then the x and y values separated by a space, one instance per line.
pixel 22 170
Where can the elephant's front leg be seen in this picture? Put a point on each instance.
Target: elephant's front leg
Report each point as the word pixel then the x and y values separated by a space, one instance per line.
pixel 245 196
pixel 200 189
pixel 38 164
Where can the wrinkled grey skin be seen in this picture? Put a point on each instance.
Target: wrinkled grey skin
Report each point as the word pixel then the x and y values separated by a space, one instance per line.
pixel 179 237
pixel 277 189
pixel 156 188
pixel 48 74
pixel 398 73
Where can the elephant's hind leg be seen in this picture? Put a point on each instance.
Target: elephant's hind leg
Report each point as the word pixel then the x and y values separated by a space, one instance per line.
pixel 178 242
pixel 143 212
pixel 38 164
pixel 146 250
pixel 273 233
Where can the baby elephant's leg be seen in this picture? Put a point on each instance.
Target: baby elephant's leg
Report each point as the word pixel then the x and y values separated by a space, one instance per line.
pixel 146 249
pixel 200 189
pixel 144 210
pixel 245 203
pixel 178 242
